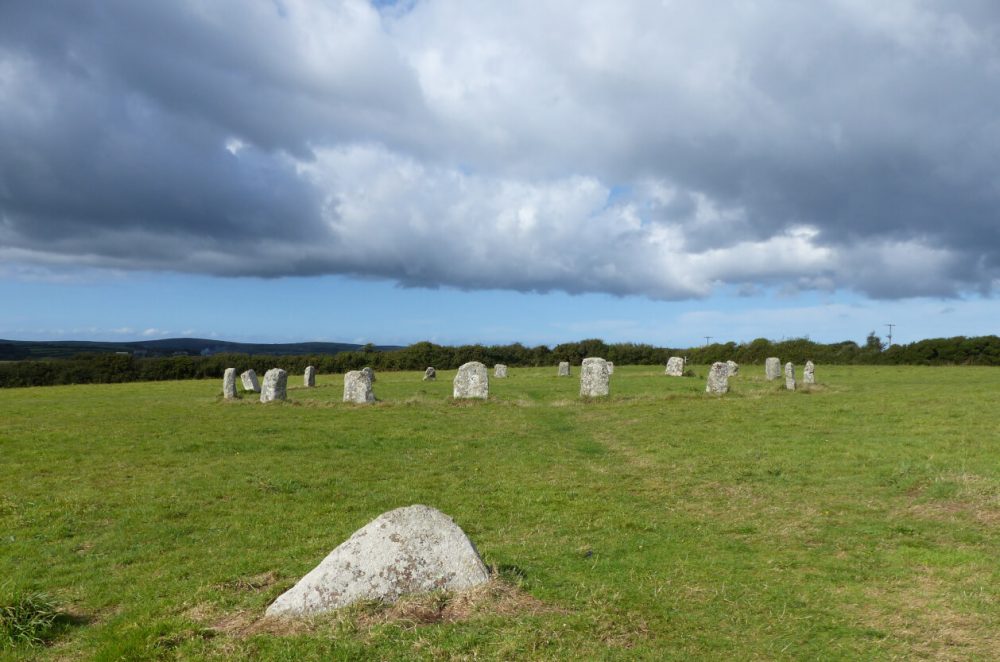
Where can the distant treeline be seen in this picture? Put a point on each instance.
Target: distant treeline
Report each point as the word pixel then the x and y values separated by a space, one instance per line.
pixel 113 368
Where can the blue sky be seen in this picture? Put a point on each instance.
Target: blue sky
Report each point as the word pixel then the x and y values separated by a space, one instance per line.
pixel 472 171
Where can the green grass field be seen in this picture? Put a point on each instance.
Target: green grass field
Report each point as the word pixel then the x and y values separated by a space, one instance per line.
pixel 860 520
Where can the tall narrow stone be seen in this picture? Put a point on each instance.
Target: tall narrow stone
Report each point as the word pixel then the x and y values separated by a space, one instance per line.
pixel 371 374
pixel 595 379
pixel 675 366
pixel 430 374
pixel 309 378
pixel 809 373
pixel 250 383
pixel 275 385
pixel 772 368
pixel 734 368
pixel 358 388
pixel 229 384
pixel 500 371
pixel 718 379
pixel 472 381
pixel 564 368
pixel 790 376
pixel 611 368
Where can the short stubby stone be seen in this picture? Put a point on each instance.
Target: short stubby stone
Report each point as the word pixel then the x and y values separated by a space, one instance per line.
pixel 733 367
pixel 595 379
pixel 229 384
pixel 611 368
pixel 275 385
pixel 790 376
pixel 358 388
pixel 809 373
pixel 309 378
pixel 409 550
pixel 430 374
pixel 500 371
pixel 371 373
pixel 250 383
pixel 718 378
pixel 471 381
pixel 675 366
pixel 564 368
pixel 772 368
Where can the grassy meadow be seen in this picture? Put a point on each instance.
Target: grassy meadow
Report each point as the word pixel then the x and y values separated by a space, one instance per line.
pixel 856 520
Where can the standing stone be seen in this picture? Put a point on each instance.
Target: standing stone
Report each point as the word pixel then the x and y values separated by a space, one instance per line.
pixel 564 368
pixel 733 367
pixel 309 379
pixel 250 383
pixel 675 366
pixel 595 379
pixel 809 373
pixel 500 371
pixel 790 376
pixel 229 384
pixel 358 388
pixel 471 382
pixel 718 379
pixel 611 368
pixel 371 373
pixel 416 549
pixel 772 368
pixel 275 385
pixel 430 375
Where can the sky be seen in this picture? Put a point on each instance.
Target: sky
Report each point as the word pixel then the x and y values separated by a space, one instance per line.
pixel 471 171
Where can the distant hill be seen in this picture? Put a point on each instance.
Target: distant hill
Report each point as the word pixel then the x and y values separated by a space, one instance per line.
pixel 61 349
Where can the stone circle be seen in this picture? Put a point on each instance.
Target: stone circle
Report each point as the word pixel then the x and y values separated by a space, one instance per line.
pixel 250 383
pixel 718 379
pixel 275 385
pixel 595 379
pixel 371 373
pixel 809 373
pixel 472 381
pixel 675 366
pixel 790 376
pixel 309 378
pixel 229 384
pixel 500 371
pixel 430 374
pixel 772 368
pixel 734 368
pixel 564 368
pixel 358 388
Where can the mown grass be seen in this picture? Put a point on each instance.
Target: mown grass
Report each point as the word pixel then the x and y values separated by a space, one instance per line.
pixel 858 520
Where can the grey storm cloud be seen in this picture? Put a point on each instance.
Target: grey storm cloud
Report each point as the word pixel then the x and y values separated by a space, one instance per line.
pixel 655 148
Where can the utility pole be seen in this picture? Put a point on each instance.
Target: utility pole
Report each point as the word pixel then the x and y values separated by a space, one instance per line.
pixel 708 339
pixel 890 333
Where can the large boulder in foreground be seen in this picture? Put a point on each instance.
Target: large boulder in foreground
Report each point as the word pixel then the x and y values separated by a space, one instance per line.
pixel 416 549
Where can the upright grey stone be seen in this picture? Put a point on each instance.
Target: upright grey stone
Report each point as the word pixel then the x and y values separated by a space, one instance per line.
pixel 229 384
pixel 358 388
pixel 733 367
pixel 500 371
pixel 595 379
pixel 416 549
pixel 250 383
pixel 275 385
pixel 772 368
pixel 790 376
pixel 718 378
pixel 471 382
pixel 675 366
pixel 430 374
pixel 611 368
pixel 371 373
pixel 809 373
pixel 309 379
pixel 564 368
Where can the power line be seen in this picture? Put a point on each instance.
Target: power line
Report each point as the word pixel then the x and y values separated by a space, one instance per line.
pixel 890 333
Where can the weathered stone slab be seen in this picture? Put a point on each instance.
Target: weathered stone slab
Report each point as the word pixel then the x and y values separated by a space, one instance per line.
pixel 564 368
pixel 309 378
pixel 430 374
pixel 772 368
pixel 416 549
pixel 472 381
pixel 675 366
pixel 595 379
pixel 733 367
pixel 500 371
pixel 371 373
pixel 358 388
pixel 718 379
pixel 275 385
pixel 809 373
pixel 250 383
pixel 229 384
pixel 790 376
pixel 611 368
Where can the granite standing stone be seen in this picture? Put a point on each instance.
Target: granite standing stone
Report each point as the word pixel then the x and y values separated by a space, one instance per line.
pixel 250 383
pixel 611 368
pixel 309 379
pixel 809 373
pixel 772 368
pixel 358 388
pixel 430 375
pixel 500 371
pixel 564 368
pixel 229 384
pixel 472 381
pixel 718 379
pixel 409 550
pixel 595 379
pixel 790 376
pixel 275 385
pixel 371 373
pixel 675 366
pixel 734 368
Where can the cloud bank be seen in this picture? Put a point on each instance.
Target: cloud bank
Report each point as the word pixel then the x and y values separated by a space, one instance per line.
pixel 662 148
